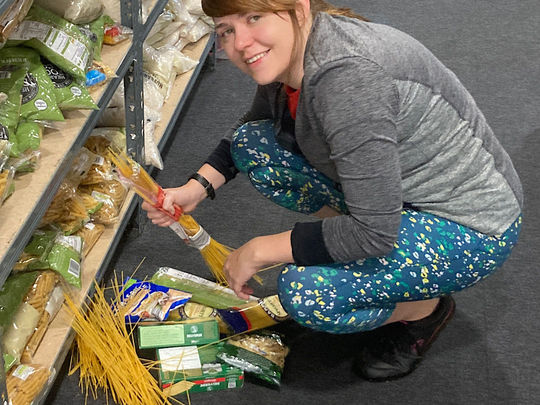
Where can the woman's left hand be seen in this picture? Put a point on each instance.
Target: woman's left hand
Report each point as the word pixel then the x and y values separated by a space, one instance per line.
pixel 240 266
pixel 256 254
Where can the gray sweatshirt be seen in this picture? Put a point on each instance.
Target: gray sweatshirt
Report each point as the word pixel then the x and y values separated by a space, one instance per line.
pixel 381 115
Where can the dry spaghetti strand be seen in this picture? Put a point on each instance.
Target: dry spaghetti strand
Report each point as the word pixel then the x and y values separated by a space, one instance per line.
pixel 106 356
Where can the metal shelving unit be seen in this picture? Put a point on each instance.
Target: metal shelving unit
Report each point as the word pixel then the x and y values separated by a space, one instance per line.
pixel 16 230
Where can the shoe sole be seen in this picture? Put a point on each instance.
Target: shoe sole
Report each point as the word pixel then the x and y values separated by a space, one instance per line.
pixel 434 337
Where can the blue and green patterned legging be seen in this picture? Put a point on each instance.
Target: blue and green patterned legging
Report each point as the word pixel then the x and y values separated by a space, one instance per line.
pixel 431 257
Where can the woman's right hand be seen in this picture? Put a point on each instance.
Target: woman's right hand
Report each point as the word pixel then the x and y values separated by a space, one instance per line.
pixel 187 196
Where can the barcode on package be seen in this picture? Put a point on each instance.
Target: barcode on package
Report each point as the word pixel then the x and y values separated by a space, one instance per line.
pixel 74 268
pixel 68 47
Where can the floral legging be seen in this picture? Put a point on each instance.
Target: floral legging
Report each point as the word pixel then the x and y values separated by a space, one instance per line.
pixel 431 257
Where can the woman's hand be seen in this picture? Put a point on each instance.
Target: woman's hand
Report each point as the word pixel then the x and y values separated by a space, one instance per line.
pixel 187 196
pixel 254 255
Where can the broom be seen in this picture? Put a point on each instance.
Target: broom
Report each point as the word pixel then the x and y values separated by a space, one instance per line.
pixel 134 176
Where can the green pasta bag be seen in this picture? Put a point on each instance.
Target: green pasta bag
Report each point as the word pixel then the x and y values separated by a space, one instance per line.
pixel 38 99
pixel 70 93
pixel 55 38
pixel 28 137
pixel 12 294
pixel 95 31
pixel 65 258
pixel 11 83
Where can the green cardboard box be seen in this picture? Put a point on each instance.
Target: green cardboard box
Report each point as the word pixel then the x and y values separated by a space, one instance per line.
pixel 214 374
pixel 178 334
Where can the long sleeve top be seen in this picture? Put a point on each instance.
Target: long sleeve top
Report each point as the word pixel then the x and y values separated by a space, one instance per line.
pixel 379 114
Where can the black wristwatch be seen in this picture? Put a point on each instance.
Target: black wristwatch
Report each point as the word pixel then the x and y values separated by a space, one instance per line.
pixel 210 192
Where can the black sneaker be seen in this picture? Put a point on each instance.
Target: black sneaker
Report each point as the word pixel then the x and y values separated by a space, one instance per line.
pixel 395 350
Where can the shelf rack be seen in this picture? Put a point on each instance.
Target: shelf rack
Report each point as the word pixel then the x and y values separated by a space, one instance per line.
pixel 22 212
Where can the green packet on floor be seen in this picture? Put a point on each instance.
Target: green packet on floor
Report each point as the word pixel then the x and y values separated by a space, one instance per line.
pixel 199 366
pixel 203 291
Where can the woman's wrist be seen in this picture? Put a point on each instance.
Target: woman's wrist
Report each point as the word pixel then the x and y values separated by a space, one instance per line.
pixel 207 186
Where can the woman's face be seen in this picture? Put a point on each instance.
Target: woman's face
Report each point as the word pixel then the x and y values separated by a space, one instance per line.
pixel 259 44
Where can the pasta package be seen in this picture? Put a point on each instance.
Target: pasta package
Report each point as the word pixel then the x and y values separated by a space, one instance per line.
pixel 25 382
pixel 38 99
pixel 90 234
pixel 58 40
pixel 51 308
pixel 261 354
pixel 70 93
pixel 34 255
pixel 27 162
pixel 19 331
pixel 65 258
pixel 7 185
pixel 11 83
pixel 145 301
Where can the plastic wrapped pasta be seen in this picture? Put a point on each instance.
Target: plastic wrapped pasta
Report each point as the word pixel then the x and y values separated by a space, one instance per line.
pixel 108 213
pixel 90 234
pixel 261 354
pixel 7 186
pixel 70 93
pixel 51 308
pixel 27 162
pixel 25 382
pixel 74 215
pixel 55 38
pixel 11 83
pixel 65 258
pixel 38 98
pixel 34 255
pixel 19 331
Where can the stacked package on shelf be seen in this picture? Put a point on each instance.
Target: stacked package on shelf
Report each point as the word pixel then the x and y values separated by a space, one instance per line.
pixel 28 303
pixel 41 78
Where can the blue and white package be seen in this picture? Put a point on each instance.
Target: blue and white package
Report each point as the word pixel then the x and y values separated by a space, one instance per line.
pixel 150 302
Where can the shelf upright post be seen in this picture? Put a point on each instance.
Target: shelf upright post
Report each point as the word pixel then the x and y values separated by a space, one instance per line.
pixel 134 89
pixel 133 82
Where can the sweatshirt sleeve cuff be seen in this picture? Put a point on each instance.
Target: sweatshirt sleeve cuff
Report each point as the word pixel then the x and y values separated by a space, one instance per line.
pixel 221 160
pixel 308 246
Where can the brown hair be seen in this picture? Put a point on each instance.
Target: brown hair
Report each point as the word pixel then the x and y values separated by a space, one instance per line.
pixel 221 8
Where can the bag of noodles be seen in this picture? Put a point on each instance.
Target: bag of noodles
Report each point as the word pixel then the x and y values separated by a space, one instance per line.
pixel 65 258
pixel 38 99
pixel 58 40
pixel 12 294
pixel 260 354
pixel 11 83
pixel 34 255
pixel 71 94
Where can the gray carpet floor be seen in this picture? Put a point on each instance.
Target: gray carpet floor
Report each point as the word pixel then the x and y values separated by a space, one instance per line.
pixel 489 353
